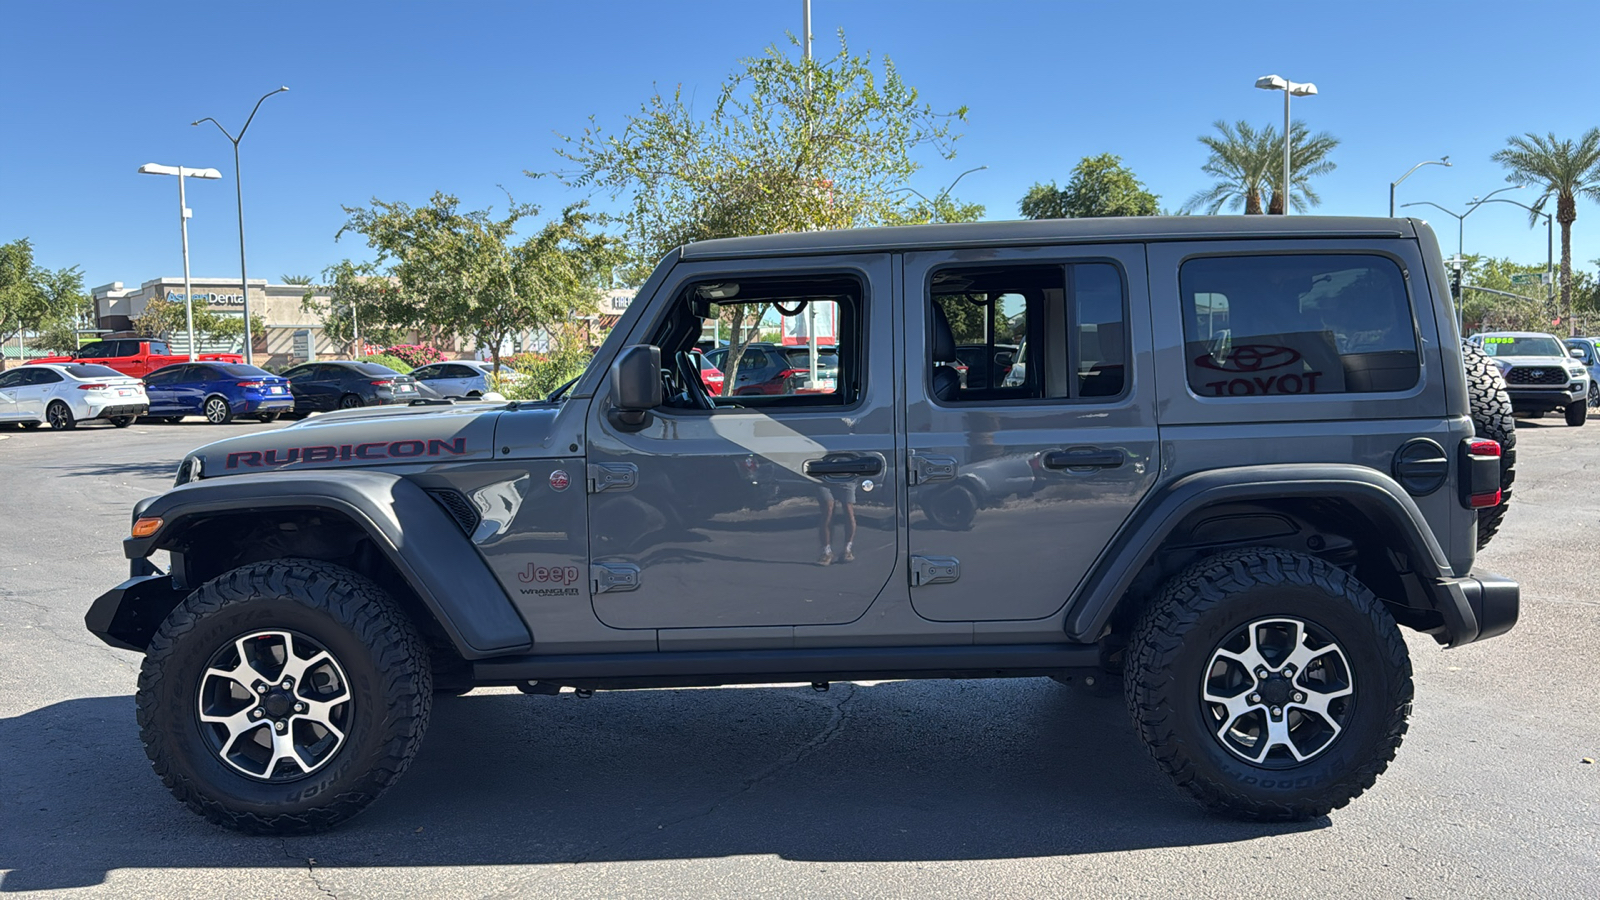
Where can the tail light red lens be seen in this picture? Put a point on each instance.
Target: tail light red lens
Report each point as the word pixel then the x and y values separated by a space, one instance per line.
pixel 250 384
pixel 1484 449
pixel 383 383
pixel 91 387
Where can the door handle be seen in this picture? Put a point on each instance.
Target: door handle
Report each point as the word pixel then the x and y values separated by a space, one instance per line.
pixel 849 465
pixel 1085 458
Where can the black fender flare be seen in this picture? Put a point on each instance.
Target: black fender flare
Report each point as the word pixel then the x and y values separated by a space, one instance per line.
pixel 1369 490
pixel 423 543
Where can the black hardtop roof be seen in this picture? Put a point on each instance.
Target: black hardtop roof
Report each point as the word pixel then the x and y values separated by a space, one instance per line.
pixel 1049 231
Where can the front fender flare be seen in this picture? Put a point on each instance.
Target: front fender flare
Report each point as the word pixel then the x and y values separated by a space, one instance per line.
pixel 423 543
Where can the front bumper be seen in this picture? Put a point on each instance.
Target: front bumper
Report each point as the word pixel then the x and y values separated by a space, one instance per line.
pixel 1480 606
pixel 1546 399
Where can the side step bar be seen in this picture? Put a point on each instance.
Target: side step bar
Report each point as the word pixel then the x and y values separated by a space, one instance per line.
pixel 712 667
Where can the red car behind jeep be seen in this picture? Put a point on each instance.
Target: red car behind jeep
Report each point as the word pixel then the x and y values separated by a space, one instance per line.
pixel 135 357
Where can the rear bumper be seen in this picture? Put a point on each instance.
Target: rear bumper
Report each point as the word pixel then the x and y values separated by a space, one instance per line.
pixel 264 404
pixel 1480 606
pixel 115 410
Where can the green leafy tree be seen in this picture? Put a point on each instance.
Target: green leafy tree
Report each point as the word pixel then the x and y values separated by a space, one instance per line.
pixel 296 279
pixel 786 146
pixel 1308 158
pixel 355 296
pixel 467 272
pixel 163 318
pixel 1239 159
pixel 1491 301
pixel 1100 186
pixel 50 303
pixel 1561 169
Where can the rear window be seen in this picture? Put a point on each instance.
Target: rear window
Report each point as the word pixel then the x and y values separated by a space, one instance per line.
pixel 239 370
pixel 373 369
pixel 84 371
pixel 1287 325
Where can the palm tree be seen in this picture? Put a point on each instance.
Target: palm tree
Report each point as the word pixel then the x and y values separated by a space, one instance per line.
pixel 1564 170
pixel 1240 157
pixel 1308 158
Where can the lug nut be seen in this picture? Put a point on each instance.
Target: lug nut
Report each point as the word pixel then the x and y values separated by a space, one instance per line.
pixel 1255 698
pixel 256 714
pixel 261 689
pixel 1277 711
pixel 1299 697
pixel 282 727
pixel 1261 672
pixel 288 683
pixel 1288 671
pixel 301 707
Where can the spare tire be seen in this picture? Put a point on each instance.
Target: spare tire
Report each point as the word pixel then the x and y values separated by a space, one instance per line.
pixel 1491 418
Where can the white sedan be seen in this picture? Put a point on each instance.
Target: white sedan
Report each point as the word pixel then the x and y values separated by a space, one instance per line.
pixel 65 394
pixel 461 379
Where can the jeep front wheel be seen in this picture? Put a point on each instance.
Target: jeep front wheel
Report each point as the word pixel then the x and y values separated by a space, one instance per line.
pixel 1271 685
pixel 283 697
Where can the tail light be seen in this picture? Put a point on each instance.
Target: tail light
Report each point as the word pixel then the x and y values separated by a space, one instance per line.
pixel 250 384
pixel 386 383
pixel 92 387
pixel 1481 475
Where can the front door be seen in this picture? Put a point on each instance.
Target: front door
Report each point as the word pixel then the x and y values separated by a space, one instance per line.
pixel 765 511
pixel 10 384
pixel 1030 422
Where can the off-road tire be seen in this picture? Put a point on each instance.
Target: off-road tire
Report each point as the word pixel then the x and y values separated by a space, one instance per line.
pixel 1492 419
pixel 1172 647
pixel 1577 412
pixel 389 682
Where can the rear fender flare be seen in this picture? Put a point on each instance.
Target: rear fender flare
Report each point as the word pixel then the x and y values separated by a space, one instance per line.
pixel 1368 490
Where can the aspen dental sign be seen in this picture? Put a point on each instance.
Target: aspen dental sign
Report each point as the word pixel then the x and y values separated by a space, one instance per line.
pixel 210 299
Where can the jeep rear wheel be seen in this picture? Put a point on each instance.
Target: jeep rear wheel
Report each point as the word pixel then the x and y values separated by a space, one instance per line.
pixel 283 697
pixel 1269 684
pixel 1491 418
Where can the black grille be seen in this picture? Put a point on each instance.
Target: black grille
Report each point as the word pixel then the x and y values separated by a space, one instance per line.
pixel 459 508
pixel 1546 375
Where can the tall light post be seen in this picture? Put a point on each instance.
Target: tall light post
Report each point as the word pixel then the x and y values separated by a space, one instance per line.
pixel 183 224
pixel 1549 241
pixel 1441 161
pixel 1294 88
pixel 238 182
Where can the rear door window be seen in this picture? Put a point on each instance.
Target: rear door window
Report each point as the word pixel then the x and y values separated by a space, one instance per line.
pixel 1276 325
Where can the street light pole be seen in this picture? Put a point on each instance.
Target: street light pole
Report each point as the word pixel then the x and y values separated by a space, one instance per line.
pixel 1441 161
pixel 238 183
pixel 183 225
pixel 1295 88
pixel 1549 243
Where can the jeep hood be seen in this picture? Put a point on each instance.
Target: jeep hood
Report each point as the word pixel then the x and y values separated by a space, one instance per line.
pixel 376 436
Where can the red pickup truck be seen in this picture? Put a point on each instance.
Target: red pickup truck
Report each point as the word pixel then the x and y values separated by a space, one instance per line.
pixel 135 357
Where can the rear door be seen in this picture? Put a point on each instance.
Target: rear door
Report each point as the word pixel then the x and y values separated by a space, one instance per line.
pixel 160 388
pixel 768 511
pixel 1017 488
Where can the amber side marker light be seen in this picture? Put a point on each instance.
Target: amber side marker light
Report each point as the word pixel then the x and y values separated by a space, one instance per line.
pixel 146 526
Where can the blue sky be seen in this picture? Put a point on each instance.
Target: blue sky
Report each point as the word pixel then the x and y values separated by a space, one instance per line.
pixel 397 100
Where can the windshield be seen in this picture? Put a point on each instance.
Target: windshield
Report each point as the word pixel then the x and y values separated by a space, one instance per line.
pixel 1535 345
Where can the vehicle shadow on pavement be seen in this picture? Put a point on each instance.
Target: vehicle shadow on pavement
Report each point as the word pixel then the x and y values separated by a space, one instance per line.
pixel 160 469
pixel 919 771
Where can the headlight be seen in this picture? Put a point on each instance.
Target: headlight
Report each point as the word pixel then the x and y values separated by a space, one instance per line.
pixel 1503 365
pixel 1575 372
pixel 188 470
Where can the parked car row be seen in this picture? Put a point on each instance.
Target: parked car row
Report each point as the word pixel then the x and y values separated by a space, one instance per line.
pixel 63 394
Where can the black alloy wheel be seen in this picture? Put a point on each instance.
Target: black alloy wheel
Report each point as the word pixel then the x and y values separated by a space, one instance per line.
pixel 351 401
pixel 60 416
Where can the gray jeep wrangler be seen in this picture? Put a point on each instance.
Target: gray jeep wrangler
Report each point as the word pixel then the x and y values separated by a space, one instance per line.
pixel 1241 453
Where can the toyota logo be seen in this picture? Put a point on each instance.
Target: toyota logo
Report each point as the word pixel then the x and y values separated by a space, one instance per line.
pixel 1252 358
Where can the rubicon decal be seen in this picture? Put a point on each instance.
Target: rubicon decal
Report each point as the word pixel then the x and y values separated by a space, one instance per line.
pixel 348 453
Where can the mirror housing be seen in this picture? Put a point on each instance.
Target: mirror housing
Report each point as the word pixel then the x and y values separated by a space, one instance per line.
pixel 634 386
pixel 1575 353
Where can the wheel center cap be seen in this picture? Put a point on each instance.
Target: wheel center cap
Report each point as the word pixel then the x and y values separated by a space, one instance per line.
pixel 277 703
pixel 1275 690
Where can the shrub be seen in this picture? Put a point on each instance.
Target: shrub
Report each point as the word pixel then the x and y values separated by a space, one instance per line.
pixel 415 354
pixel 541 373
pixel 393 362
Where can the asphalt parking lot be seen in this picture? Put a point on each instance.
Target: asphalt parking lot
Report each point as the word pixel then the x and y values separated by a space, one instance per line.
pixel 998 788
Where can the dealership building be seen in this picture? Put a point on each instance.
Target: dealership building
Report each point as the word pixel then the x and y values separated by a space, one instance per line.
pixel 291 330
pixel 277 305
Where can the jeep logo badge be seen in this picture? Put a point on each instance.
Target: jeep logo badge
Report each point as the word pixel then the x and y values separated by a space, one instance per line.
pixel 559 480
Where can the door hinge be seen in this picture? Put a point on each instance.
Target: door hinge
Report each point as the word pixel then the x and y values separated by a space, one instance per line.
pixel 925 469
pixel 608 577
pixel 612 477
pixel 934 570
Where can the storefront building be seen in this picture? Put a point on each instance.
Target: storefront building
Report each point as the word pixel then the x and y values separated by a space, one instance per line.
pixel 277 305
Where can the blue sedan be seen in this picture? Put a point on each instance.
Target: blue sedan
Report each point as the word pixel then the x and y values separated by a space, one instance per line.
pixel 218 391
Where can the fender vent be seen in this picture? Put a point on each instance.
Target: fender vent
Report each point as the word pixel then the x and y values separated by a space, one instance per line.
pixel 459 508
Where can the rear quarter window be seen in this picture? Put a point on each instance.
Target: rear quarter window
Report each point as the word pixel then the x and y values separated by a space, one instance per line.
pixel 1278 325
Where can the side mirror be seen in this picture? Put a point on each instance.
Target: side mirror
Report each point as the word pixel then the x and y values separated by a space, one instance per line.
pixel 1575 353
pixel 635 386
